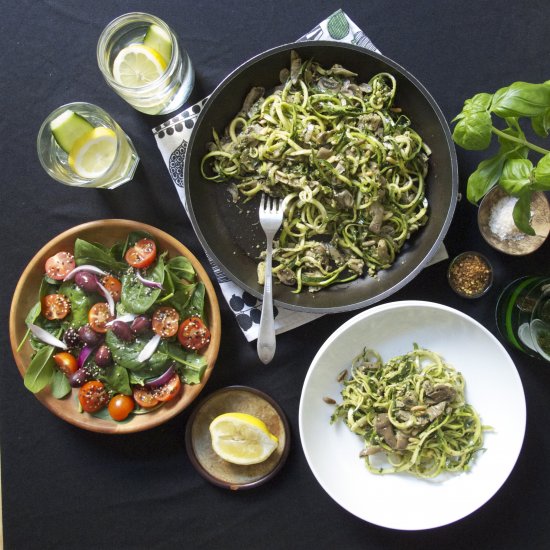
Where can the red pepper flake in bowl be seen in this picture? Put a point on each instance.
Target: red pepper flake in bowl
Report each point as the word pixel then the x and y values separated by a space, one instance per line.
pixel 470 275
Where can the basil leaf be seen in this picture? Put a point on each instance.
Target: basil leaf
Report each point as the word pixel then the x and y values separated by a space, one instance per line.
pixel 41 369
pixel 541 123
pixel 521 99
pixel 473 132
pixel 522 213
pixel 476 104
pixel 60 384
pixel 485 177
pixel 181 268
pixel 95 254
pixel 542 174
pixel 135 296
pixel 516 176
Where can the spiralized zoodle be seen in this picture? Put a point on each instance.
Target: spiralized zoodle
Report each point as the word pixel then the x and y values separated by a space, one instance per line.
pixel 346 160
pixel 413 410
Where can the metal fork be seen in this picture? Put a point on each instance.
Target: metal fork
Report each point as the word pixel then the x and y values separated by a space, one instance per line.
pixel 271 218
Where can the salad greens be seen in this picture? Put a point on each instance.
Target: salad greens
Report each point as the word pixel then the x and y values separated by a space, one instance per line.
pixel 167 284
pixel 510 167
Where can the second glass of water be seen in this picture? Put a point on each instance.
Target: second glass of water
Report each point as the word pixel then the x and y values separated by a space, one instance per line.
pixel 141 60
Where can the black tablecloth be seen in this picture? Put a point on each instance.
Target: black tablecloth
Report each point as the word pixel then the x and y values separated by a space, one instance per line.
pixel 68 488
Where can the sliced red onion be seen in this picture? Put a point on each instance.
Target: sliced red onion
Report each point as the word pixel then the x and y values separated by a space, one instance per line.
pixel 147 282
pixel 90 268
pixel 126 318
pixel 162 379
pixel 108 297
pixel 150 348
pixel 84 354
pixel 46 337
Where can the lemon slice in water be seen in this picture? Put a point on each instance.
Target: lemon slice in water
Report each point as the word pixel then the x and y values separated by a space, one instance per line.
pixel 92 154
pixel 242 438
pixel 138 65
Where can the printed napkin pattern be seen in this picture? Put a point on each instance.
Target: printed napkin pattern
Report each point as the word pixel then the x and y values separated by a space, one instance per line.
pixel 172 138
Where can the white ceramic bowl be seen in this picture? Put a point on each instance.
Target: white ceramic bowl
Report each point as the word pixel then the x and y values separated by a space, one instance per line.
pixel 493 387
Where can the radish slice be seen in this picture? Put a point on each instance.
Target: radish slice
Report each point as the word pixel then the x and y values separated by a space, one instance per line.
pixel 162 379
pixel 46 337
pixel 90 268
pixel 108 297
pixel 147 282
pixel 150 348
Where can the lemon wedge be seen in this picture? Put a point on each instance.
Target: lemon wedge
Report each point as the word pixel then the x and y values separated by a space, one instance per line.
pixel 242 438
pixel 138 65
pixel 93 153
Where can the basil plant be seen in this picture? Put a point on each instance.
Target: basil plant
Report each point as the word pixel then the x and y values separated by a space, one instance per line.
pixel 510 167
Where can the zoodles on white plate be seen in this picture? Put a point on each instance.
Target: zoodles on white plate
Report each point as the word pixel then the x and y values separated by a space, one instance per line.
pixel 346 160
pixel 411 412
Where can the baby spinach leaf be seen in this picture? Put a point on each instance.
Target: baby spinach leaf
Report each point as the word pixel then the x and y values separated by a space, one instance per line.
pixel 116 379
pixel 81 302
pixel 135 296
pixel 125 354
pixel 521 99
pixel 60 384
pixel 190 365
pixel 181 298
pixel 181 268
pixel 196 304
pixel 41 369
pixel 96 254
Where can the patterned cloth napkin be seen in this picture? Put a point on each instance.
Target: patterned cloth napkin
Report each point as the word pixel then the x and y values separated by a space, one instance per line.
pixel 172 138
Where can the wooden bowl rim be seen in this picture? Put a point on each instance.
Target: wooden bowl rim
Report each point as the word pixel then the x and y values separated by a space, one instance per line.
pixel 170 409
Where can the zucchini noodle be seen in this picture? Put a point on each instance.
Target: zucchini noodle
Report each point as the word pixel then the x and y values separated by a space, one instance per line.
pixel 411 413
pixel 348 163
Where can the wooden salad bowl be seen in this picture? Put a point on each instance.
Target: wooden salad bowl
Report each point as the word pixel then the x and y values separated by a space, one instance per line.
pixel 108 232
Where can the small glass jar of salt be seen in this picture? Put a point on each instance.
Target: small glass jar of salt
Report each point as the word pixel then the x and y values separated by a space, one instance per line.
pixel 501 220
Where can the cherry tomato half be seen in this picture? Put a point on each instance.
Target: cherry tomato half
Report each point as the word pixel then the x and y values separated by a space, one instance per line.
pixel 55 306
pixel 165 321
pixel 113 286
pixel 93 396
pixel 121 406
pixel 145 397
pixel 60 265
pixel 98 317
pixel 142 254
pixel 168 391
pixel 66 362
pixel 193 334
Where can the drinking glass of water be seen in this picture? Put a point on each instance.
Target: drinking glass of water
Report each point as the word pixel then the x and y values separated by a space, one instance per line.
pixel 79 144
pixel 141 60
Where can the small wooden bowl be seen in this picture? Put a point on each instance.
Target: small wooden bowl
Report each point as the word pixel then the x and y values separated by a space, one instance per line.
pixel 107 232
pixel 199 442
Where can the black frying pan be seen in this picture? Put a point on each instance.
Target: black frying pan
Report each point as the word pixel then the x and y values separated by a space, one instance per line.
pixel 231 233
